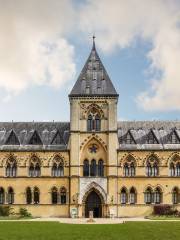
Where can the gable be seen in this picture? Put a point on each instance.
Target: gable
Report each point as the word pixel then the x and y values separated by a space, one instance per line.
pixel 151 138
pixel 57 139
pixel 173 138
pixel 12 139
pixel 35 139
pixel 127 138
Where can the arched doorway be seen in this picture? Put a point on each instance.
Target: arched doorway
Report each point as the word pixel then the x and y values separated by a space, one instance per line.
pixel 93 203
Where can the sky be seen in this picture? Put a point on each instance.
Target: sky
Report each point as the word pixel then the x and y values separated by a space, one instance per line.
pixel 44 45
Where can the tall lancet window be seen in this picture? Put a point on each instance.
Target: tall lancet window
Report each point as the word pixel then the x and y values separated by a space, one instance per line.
pixel 94 121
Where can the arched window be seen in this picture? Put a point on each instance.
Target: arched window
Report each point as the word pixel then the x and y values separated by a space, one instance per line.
pixel 54 170
pixel 155 170
pixel 124 198
pixel 36 195
pixel 28 195
pixel 94 121
pixel 175 196
pixel 86 168
pixel 63 195
pixel 34 168
pixel 172 170
pixel 97 123
pixel 126 170
pixel 60 170
pixel 148 196
pixel 54 195
pixel 100 168
pixel 152 169
pixel 132 196
pixel 148 169
pixel 37 170
pixel 2 195
pixel 11 168
pixel 93 168
pixel 57 170
pixel 157 195
pixel 132 170
pixel 129 169
pixel 10 195
pixel 178 169
pixel 90 123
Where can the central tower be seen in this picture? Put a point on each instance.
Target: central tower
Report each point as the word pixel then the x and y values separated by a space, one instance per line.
pixel 93 139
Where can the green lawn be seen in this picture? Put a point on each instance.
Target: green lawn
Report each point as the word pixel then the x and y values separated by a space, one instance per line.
pixel 57 231
pixel 164 218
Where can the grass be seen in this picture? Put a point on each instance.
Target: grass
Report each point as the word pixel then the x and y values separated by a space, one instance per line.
pixel 58 231
pixel 15 217
pixel 164 218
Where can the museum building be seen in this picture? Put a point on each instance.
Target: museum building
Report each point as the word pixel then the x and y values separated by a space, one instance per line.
pixel 92 163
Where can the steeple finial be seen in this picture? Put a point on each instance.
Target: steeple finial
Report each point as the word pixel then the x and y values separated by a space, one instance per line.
pixel 94 46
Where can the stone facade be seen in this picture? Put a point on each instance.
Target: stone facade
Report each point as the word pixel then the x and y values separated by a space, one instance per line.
pixel 93 163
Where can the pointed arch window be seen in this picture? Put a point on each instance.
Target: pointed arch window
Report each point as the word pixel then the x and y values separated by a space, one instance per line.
pixel 11 168
pixel 148 196
pixel 129 168
pixel 97 122
pixel 94 121
pixel 152 168
pixel 172 169
pixel 126 170
pixel 36 194
pixel 157 196
pixel 175 196
pixel 63 195
pixel 57 168
pixel 86 168
pixel 54 195
pixel 34 168
pixel 124 196
pixel 100 168
pixel 132 170
pixel 2 195
pixel 93 168
pixel 10 195
pixel 28 195
pixel 178 169
pixel 132 196
pixel 90 123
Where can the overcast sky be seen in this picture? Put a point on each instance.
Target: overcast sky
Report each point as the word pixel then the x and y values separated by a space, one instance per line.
pixel 45 43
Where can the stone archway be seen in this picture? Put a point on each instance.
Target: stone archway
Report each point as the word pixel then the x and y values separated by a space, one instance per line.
pixel 93 203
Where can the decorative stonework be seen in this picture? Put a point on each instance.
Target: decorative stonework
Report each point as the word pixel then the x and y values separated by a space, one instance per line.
pixel 87 108
pixel 96 138
pixel 99 184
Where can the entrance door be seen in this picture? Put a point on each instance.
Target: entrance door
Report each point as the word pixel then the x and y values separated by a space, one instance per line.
pixel 93 203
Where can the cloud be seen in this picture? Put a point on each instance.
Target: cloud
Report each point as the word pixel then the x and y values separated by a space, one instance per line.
pixel 118 24
pixel 34 49
pixel 33 46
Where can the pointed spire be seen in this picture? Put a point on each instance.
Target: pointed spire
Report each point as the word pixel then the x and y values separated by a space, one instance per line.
pixel 93 79
pixel 94 46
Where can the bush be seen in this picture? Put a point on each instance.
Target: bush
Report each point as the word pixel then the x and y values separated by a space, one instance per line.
pixel 23 212
pixel 6 211
pixel 165 210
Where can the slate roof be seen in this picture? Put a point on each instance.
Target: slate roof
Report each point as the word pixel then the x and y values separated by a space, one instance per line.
pixel 132 135
pixel 24 131
pixel 93 79
pixel 139 130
